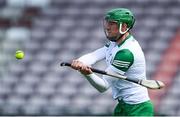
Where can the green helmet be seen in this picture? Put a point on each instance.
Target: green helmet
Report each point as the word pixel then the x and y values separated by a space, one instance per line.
pixel 121 15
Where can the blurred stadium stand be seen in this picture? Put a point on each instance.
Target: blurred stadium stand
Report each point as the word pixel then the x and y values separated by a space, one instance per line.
pixel 60 30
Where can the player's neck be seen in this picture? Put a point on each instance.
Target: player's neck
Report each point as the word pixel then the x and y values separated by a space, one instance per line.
pixel 122 38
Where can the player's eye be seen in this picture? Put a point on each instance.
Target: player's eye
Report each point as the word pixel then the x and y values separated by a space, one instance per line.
pixel 109 23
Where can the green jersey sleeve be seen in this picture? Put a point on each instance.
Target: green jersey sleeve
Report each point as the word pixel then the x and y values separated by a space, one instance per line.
pixel 123 60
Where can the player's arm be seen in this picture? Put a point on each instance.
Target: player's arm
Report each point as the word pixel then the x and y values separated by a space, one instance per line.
pixel 83 62
pixel 93 57
pixel 99 83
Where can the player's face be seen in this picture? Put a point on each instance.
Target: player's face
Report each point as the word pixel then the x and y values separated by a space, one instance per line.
pixel 111 28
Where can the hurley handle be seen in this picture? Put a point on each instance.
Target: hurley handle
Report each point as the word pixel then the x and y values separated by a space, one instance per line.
pixel 92 69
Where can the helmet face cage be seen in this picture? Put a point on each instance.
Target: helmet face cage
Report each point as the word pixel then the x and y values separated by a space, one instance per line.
pixel 105 23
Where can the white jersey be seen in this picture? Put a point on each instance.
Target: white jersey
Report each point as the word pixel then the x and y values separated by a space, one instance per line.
pixel 127 59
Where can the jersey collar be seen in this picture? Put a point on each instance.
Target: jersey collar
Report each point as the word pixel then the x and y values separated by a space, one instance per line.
pixel 124 40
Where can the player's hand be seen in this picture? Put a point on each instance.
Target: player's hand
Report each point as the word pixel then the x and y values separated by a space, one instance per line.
pixel 84 69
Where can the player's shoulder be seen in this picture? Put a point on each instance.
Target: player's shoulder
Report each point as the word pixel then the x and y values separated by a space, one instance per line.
pixel 132 44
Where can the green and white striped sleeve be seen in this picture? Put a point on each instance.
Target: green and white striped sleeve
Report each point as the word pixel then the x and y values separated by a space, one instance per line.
pixel 123 60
